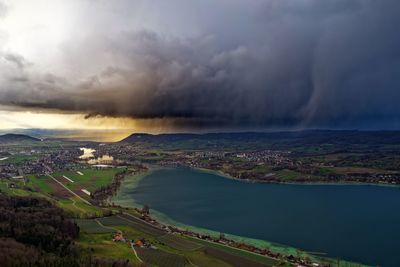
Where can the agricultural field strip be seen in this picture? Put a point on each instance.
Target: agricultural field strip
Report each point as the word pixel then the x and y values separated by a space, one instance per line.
pixel 139 221
pixel 162 258
pixel 79 208
pixel 234 259
pixel 89 226
pixel 191 263
pixel 179 242
pixel 215 245
pixel 72 192
pixel 105 227
pixel 116 221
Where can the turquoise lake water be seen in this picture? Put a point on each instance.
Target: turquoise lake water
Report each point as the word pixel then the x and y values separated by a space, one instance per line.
pixel 353 222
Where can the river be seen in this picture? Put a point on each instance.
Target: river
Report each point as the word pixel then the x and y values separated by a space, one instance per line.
pixel 353 222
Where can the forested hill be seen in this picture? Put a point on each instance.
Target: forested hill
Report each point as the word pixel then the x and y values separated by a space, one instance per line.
pixel 33 232
pixel 290 137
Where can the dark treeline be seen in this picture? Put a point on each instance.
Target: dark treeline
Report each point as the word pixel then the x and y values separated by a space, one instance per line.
pixel 36 222
pixel 103 193
pixel 33 232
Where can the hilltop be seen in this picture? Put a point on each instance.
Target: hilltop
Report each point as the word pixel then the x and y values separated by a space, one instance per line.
pixel 292 137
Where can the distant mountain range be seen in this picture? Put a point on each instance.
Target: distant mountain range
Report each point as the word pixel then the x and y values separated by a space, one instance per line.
pixel 12 138
pixel 306 137
pixel 301 137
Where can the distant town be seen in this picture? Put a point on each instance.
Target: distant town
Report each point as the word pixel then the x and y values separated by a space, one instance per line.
pixel 249 162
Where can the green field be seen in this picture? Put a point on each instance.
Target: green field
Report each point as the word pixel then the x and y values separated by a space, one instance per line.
pixel 101 245
pixel 40 182
pixel 19 159
pixel 199 258
pixel 123 220
pixel 179 242
pixel 96 236
pixel 91 178
pixel 238 252
pixel 44 186
pixel 78 209
pixel 91 226
pixel 172 250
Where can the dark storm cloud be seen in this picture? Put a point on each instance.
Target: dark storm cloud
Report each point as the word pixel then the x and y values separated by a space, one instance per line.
pixel 304 63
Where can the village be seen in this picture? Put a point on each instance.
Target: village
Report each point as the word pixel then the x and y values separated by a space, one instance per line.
pixel 256 165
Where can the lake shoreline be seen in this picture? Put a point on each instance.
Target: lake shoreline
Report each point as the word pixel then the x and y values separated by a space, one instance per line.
pixel 165 219
pixel 340 183
pixel 132 182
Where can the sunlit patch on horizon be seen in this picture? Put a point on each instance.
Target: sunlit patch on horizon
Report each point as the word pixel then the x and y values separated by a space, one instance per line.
pixel 79 127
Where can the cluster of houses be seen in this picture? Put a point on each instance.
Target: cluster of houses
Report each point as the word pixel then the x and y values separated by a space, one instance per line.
pixel 37 161
pixel 141 242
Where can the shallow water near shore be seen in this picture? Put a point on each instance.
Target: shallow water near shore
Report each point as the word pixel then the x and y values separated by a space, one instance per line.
pixel 356 223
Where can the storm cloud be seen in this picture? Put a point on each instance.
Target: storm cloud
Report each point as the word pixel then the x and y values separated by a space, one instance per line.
pixel 245 64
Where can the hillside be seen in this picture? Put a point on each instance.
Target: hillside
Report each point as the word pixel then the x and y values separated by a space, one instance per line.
pixel 13 138
pixel 293 137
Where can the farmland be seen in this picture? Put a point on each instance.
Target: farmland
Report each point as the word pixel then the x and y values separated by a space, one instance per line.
pixel 19 159
pixel 161 258
pixel 55 188
pixel 91 226
pixel 91 179
pixel 41 183
pixel 179 243
pixel 171 250
pixel 224 251
pixel 102 245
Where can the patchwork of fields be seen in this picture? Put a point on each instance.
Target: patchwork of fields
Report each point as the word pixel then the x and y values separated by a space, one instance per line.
pixel 89 179
pixel 172 249
pixel 70 190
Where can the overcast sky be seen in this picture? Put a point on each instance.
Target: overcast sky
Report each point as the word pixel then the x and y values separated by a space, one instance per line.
pixel 200 65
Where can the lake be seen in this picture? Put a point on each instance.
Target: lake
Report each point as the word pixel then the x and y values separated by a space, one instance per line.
pixel 353 222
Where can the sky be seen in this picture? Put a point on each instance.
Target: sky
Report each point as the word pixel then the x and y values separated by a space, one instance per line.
pixel 210 65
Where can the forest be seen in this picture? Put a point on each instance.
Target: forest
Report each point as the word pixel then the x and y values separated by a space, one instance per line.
pixel 33 232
